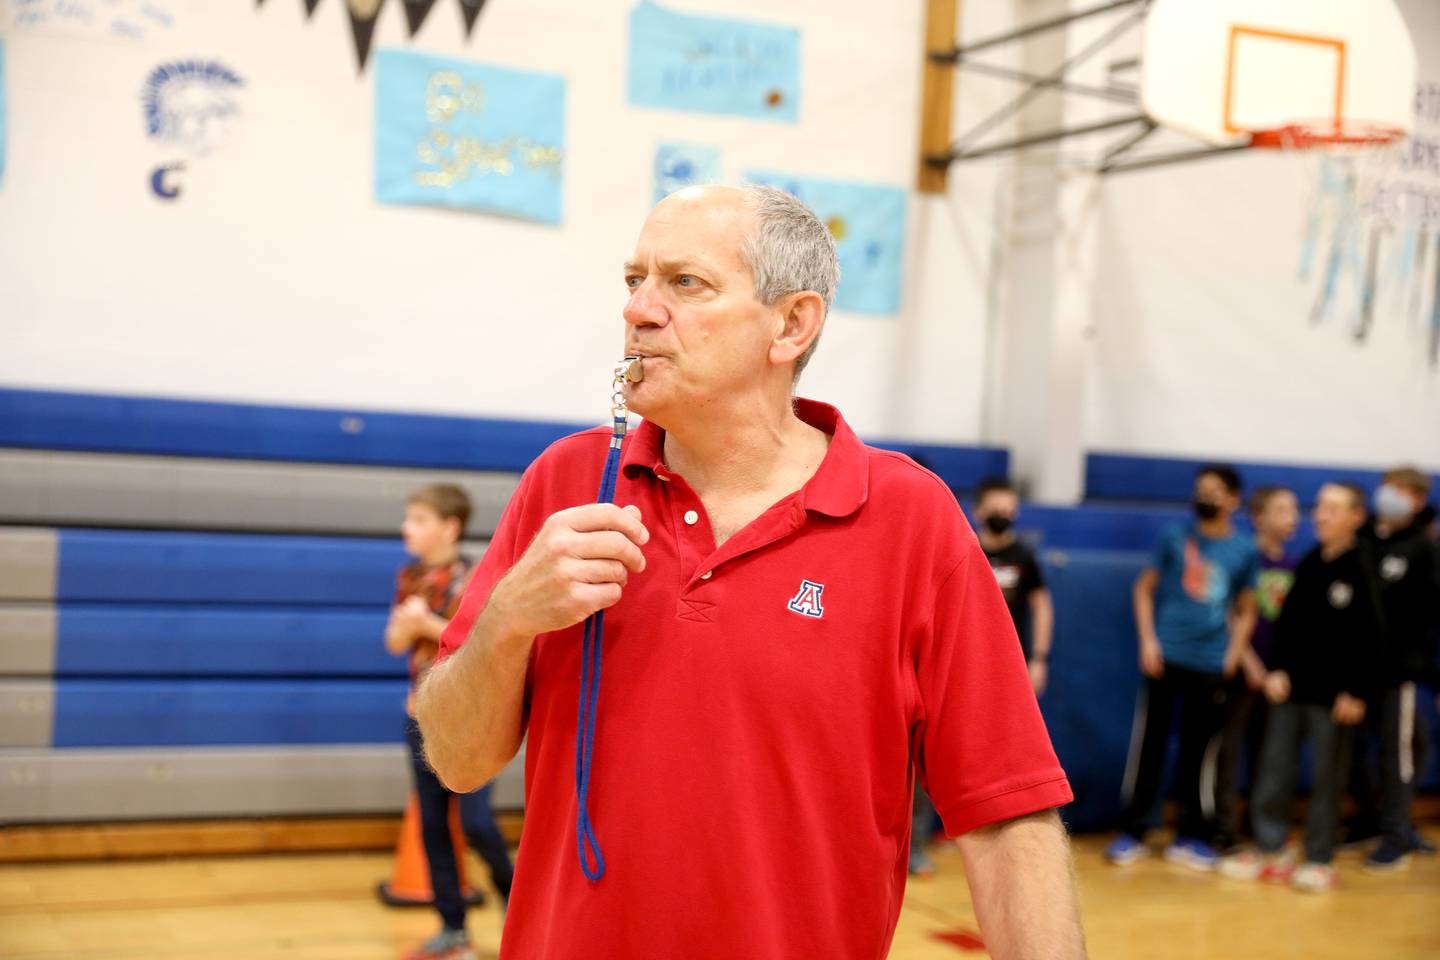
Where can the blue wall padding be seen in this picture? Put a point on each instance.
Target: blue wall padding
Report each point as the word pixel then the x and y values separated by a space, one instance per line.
pixel 118 641
pixel 1089 704
pixel 51 420
pixel 76 421
pixel 175 713
pixel 161 567
pixel 1118 476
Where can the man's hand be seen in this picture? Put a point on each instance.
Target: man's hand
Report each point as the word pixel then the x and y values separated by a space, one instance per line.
pixel 1152 659
pixel 578 563
pixel 1348 710
pixel 1277 686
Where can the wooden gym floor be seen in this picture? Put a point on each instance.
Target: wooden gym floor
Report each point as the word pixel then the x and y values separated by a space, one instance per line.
pixel 322 907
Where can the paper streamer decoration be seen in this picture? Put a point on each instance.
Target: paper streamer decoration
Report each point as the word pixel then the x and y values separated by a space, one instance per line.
pixel 680 165
pixel 713 64
pixel 457 134
pixel 362 15
pixel 868 224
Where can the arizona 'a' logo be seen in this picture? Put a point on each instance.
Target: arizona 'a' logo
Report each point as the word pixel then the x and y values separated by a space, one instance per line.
pixel 807 601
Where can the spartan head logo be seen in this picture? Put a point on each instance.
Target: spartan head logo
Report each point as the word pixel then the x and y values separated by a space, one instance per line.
pixel 1393 568
pixel 191 104
pixel 1341 593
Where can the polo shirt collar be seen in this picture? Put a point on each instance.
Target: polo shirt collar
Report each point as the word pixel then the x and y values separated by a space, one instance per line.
pixel 837 489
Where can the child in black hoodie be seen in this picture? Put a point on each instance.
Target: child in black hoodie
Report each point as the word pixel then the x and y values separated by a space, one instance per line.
pixel 1406 567
pixel 1328 644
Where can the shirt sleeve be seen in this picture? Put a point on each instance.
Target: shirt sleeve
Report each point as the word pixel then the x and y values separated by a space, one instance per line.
pixel 1034 577
pixel 984 754
pixel 505 547
pixel 1162 556
pixel 1248 574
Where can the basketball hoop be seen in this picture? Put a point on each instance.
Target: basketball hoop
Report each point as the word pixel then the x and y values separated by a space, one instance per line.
pixel 1322 134
pixel 1281 74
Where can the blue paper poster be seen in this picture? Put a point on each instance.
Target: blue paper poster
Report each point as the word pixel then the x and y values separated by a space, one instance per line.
pixel 868 224
pixel 457 134
pixel 680 165
pixel 681 61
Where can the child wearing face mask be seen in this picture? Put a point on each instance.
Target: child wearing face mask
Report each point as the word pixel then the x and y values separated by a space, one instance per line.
pixel 997 505
pixel 1403 562
pixel 1195 610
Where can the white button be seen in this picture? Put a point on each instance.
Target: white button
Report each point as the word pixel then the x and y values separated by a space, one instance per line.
pixel 691 517
pixel 707 574
pixel 662 477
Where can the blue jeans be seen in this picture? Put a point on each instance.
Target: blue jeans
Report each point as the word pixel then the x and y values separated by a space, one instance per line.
pixel 476 821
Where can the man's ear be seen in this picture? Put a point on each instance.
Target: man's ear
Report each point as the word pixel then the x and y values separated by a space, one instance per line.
pixel 801 317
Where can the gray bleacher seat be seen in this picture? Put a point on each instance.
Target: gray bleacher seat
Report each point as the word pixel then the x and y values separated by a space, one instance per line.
pixel 40 786
pixel 189 493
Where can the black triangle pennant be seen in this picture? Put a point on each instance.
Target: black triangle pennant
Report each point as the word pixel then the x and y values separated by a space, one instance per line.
pixel 310 6
pixel 415 13
pixel 470 10
pixel 363 14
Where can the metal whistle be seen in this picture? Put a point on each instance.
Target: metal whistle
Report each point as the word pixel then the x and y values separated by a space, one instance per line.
pixel 628 370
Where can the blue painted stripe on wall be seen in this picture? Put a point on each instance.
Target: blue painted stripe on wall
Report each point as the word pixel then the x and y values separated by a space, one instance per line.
pixel 211 642
pixel 163 567
pixel 53 420
pixel 1117 476
pixel 141 713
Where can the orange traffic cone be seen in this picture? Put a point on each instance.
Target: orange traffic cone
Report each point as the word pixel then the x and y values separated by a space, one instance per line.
pixel 409 886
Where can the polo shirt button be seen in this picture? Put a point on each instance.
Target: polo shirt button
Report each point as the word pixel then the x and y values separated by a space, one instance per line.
pixel 707 574
pixel 691 517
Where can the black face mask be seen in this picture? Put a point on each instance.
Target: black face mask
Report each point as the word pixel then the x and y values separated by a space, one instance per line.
pixel 998 524
pixel 1206 510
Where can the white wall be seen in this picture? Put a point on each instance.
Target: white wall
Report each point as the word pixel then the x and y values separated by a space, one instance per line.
pixel 1202 344
pixel 276 277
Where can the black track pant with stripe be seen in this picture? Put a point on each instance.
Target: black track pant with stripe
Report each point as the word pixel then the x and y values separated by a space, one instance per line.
pixel 1199 699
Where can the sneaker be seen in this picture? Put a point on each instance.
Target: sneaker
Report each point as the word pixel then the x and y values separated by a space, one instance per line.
pixel 1240 865
pixel 1314 878
pixel 1278 867
pixel 445 945
pixel 1195 854
pixel 1125 850
pixel 1420 845
pixel 1388 856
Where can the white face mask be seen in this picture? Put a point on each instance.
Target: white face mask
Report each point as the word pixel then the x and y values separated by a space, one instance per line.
pixel 1391 503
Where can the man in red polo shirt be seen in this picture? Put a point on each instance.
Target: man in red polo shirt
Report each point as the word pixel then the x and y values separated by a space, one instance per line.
pixel 796 625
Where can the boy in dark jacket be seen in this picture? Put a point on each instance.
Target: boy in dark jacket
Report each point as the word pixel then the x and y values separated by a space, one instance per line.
pixel 1404 563
pixel 1328 645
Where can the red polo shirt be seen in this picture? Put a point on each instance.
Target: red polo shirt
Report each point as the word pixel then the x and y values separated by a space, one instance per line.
pixel 764 706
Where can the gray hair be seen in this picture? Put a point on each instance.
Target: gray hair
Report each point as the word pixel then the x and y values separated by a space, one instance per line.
pixel 789 251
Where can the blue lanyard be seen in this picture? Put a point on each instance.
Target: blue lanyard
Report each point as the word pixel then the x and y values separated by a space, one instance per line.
pixel 590 650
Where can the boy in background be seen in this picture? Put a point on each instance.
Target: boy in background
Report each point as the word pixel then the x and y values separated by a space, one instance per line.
pixel 1195 610
pixel 997 505
pixel 1404 563
pixel 427 594
pixel 1327 644
pixel 1274 516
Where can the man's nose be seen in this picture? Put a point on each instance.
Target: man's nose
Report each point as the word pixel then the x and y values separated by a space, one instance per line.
pixel 644 308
